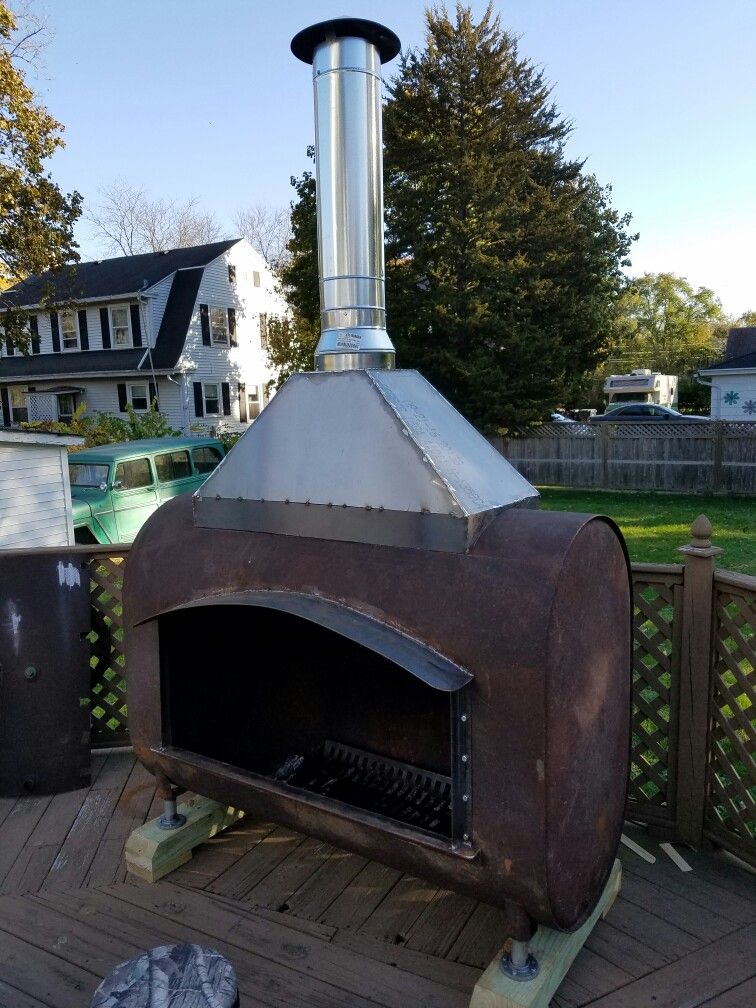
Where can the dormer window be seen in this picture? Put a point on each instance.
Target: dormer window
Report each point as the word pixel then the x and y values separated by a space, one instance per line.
pixel 69 330
pixel 120 325
pixel 219 326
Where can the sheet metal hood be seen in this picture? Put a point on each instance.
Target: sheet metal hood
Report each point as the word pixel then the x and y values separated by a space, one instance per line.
pixel 372 456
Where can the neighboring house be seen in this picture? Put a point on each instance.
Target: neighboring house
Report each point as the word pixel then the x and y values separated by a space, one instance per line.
pixel 187 326
pixel 733 379
pixel 35 494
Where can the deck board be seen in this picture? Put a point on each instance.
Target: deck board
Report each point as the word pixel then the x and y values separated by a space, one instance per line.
pixel 308 924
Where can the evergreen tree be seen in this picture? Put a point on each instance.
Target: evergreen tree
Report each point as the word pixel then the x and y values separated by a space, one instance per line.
pixel 292 339
pixel 504 257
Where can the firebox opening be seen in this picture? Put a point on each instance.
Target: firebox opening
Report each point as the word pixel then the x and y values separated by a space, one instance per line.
pixel 274 694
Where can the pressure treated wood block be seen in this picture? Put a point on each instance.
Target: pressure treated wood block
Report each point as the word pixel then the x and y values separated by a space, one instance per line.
pixel 555 952
pixel 152 852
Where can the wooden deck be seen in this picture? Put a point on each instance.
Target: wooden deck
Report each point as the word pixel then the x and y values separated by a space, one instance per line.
pixel 308 925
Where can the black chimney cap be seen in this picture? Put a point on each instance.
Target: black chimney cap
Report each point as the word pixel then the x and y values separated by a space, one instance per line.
pixel 304 43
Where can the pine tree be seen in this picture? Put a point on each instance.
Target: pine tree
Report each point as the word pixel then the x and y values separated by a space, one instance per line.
pixel 503 255
pixel 292 339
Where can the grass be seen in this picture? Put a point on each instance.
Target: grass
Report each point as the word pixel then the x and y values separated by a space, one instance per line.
pixel 655 524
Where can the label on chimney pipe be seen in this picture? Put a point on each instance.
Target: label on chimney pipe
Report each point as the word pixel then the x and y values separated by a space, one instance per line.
pixel 348 341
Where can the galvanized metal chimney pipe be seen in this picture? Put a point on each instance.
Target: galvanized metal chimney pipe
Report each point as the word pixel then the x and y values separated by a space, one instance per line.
pixel 346 56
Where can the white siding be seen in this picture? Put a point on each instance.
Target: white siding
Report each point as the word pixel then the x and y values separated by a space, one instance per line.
pixel 733 396
pixel 35 498
pixel 245 363
pixel 101 395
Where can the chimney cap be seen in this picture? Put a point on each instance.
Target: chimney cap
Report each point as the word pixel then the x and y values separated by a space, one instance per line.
pixel 304 43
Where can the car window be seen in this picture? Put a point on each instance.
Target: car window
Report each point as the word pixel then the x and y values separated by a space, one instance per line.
pixel 636 411
pixel 133 474
pixel 87 474
pixel 172 466
pixel 205 458
pixel 657 411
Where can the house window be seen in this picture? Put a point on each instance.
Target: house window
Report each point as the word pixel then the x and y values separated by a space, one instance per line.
pixel 120 325
pixel 69 330
pixel 255 278
pixel 66 406
pixel 211 394
pixel 231 273
pixel 264 330
pixel 19 409
pixel 219 326
pixel 254 402
pixel 139 396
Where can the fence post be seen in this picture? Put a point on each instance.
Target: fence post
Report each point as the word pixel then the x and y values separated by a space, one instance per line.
pixel 716 471
pixel 695 675
pixel 604 454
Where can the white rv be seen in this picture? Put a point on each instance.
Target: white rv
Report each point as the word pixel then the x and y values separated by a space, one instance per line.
pixel 641 385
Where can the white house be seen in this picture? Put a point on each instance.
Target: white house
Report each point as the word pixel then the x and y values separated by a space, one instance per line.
pixel 733 379
pixel 35 494
pixel 188 326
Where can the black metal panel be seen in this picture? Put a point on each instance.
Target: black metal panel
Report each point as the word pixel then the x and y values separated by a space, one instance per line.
pixel 410 654
pixel 44 673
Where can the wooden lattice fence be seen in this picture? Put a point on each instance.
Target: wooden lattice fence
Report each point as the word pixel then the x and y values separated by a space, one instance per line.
pixel 730 813
pixel 109 716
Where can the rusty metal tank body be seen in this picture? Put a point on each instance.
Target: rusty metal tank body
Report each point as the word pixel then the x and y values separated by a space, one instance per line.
pixel 536 613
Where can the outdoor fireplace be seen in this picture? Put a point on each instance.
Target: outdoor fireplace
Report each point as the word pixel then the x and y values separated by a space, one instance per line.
pixel 363 627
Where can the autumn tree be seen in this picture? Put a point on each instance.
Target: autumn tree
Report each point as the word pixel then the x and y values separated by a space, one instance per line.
pixel 267 229
pixel 665 324
pixel 128 221
pixel 36 218
pixel 504 255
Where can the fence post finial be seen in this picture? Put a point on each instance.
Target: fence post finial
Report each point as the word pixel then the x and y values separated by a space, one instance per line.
pixel 700 539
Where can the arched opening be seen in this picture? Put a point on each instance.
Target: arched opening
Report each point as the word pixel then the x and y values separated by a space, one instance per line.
pixel 275 694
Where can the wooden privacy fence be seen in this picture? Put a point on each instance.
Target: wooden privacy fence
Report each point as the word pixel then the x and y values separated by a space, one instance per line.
pixel 711 457
pixel 693 770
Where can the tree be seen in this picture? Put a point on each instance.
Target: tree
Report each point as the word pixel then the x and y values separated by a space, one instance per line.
pixel 267 229
pixel 36 218
pixel 663 323
pixel 129 221
pixel 504 257
pixel 292 339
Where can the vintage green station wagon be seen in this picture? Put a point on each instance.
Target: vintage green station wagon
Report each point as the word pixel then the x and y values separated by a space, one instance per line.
pixel 115 488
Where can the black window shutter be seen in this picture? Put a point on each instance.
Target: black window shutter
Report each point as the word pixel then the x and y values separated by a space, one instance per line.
pixel 105 328
pixel 205 320
pixel 83 331
pixel 34 327
pixel 136 326
pixel 242 403
pixel 226 394
pixel 9 348
pixel 153 394
pixel 122 397
pixel 6 406
pixel 55 332
pixel 232 326
pixel 199 405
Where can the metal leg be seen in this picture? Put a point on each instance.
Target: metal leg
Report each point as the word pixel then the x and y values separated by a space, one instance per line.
pixel 519 964
pixel 170 819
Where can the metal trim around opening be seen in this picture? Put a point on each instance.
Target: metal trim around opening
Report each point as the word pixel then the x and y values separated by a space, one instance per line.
pixel 408 653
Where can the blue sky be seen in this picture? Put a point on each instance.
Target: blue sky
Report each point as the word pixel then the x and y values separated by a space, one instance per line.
pixel 202 98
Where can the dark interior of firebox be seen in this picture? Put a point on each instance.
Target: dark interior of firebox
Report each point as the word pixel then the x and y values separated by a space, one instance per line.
pixel 278 695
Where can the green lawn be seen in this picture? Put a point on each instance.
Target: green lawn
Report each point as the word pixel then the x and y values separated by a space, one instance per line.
pixel 655 524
